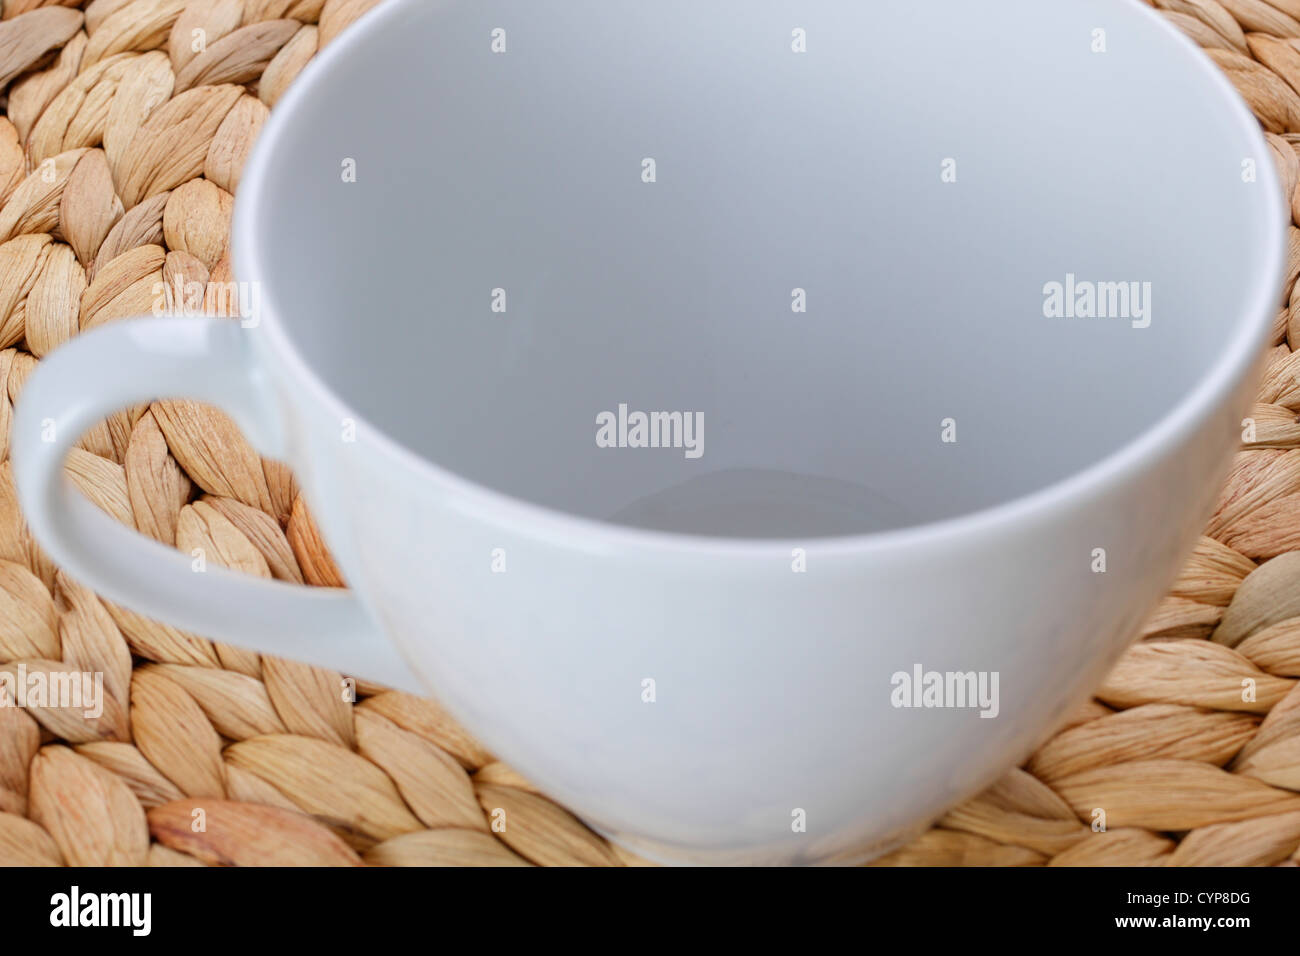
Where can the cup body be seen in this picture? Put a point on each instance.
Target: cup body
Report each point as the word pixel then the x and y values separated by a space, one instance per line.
pixel 772 688
pixel 761 697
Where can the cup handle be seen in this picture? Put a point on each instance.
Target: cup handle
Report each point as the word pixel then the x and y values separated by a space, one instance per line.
pixel 208 360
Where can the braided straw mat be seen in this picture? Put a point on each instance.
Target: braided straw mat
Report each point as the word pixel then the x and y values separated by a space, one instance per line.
pixel 128 123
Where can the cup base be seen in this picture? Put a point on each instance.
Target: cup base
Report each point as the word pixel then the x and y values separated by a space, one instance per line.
pixel 855 854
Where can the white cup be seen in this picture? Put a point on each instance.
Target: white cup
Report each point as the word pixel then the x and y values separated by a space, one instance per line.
pixel 913 495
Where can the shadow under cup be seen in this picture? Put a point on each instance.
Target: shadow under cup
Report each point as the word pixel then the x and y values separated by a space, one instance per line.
pixel 626 271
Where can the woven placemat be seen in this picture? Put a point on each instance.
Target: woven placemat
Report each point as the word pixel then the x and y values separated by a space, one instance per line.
pixel 127 127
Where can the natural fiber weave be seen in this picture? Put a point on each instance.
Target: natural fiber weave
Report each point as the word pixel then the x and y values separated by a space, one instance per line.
pixel 123 144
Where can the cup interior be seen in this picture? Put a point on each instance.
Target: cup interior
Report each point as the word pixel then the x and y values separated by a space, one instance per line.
pixel 830 271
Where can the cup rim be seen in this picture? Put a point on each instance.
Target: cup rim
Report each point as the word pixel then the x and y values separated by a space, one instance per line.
pixel 1245 346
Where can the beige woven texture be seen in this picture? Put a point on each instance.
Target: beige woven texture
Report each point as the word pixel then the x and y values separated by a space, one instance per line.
pixel 128 123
